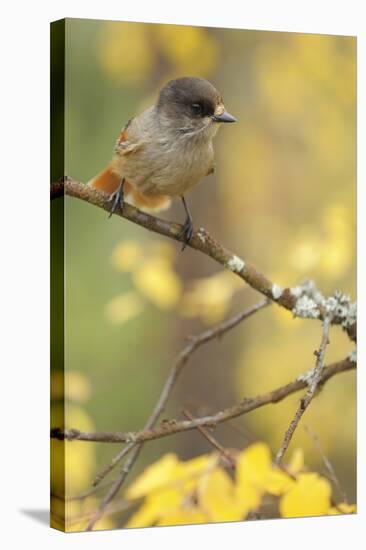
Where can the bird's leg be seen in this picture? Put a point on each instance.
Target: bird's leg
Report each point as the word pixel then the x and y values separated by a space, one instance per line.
pixel 187 229
pixel 117 198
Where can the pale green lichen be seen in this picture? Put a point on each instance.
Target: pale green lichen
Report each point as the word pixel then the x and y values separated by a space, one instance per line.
pixel 235 264
pixel 339 305
pixel 296 291
pixel 310 301
pixel 276 291
pixel 201 234
pixel 306 307
pixel 307 376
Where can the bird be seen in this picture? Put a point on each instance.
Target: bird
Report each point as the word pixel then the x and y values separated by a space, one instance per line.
pixel 166 150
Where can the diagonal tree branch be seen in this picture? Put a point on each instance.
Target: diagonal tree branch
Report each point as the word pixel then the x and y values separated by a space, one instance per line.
pixel 304 301
pixel 171 427
pixel 194 343
pixel 135 451
pixel 305 401
pixel 327 464
pixel 289 298
pixel 225 453
pixel 135 447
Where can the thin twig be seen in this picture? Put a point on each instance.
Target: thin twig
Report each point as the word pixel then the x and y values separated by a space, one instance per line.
pixel 134 447
pixel 327 464
pixel 194 343
pixel 85 494
pixel 213 441
pixel 201 241
pixel 305 401
pixel 101 475
pixel 287 298
pixel 115 487
pixel 247 405
pixel 118 506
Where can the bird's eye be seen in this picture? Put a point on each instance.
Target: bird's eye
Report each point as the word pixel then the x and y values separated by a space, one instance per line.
pixel 197 108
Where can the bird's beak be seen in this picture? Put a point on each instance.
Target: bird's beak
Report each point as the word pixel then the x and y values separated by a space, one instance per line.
pixel 224 117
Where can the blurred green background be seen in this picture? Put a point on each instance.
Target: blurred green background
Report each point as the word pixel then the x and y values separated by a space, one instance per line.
pixel 282 196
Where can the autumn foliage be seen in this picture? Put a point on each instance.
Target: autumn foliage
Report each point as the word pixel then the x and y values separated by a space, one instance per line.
pixel 283 198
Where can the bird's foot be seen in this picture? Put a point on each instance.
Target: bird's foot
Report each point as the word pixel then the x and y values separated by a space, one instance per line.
pixel 117 199
pixel 186 233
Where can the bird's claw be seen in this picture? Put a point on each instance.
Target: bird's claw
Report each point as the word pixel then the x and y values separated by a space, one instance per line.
pixel 116 200
pixel 186 233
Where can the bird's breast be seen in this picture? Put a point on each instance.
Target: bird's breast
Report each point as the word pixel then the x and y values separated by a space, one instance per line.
pixel 168 166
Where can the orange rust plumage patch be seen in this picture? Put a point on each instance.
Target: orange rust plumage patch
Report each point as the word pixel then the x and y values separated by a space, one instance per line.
pixel 122 137
pixel 108 181
pixel 146 202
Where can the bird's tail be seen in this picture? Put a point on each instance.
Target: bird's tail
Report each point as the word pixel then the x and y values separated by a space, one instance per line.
pixel 108 181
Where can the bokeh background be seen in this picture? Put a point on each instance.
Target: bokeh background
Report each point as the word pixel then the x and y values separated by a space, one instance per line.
pixel 282 196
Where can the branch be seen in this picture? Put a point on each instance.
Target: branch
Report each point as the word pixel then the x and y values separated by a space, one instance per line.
pixel 225 453
pixel 173 426
pixel 135 451
pixel 119 506
pixel 194 343
pixel 304 301
pixel 289 298
pixel 327 463
pixel 314 381
pixel 134 447
pixel 83 495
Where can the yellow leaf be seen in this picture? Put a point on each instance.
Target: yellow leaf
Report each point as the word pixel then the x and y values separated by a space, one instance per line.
pixel 167 485
pixel 296 463
pixel 155 506
pixel 144 517
pixel 196 465
pixel 257 475
pixel 217 498
pixel 309 496
pixel 187 474
pixel 253 467
pixel 248 497
pixel 154 477
pixel 253 464
pixel 184 516
pixel 157 281
pixel 277 482
pixel 342 508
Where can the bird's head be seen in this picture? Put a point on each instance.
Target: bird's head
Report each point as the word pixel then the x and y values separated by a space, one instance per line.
pixel 192 105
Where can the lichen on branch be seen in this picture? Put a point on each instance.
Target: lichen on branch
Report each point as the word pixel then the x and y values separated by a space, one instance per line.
pixel 304 300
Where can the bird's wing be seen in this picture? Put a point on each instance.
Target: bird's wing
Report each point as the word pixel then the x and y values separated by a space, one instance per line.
pixel 126 143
